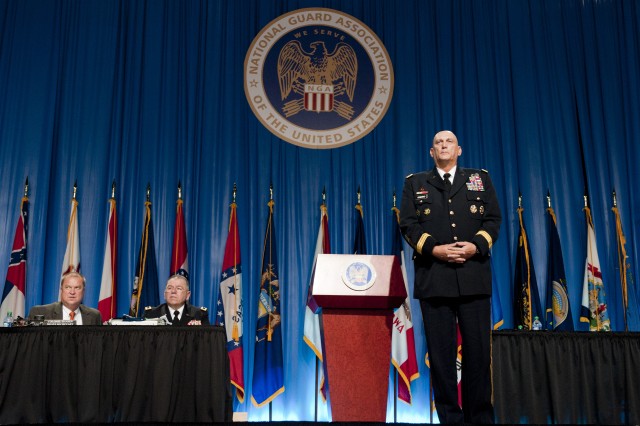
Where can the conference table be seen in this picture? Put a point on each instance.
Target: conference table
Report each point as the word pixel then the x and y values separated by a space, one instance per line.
pixel 85 374
pixel 95 374
pixel 546 377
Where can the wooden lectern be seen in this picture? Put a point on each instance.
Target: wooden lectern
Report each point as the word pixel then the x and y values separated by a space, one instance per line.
pixel 357 294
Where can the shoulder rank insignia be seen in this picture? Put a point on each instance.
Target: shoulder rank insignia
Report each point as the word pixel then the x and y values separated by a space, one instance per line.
pixel 148 308
pixel 202 308
pixel 408 176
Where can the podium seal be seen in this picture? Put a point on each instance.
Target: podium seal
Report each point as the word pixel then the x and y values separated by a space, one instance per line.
pixel 359 275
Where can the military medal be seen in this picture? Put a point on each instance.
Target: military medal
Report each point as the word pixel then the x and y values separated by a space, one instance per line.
pixel 473 208
pixel 475 183
pixel 481 209
pixel 427 211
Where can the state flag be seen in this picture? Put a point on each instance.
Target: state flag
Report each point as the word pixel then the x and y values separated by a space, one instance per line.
pixel 594 310
pixel 268 369
pixel 312 313
pixel 403 345
pixel 107 299
pixel 145 290
pixel 229 312
pixel 15 284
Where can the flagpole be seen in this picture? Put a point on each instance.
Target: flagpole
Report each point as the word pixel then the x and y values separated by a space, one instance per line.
pixel 622 258
pixel 395 370
pixel 269 331
pixel 317 361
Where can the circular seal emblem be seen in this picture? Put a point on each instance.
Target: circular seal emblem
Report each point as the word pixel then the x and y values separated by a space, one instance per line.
pixel 318 78
pixel 359 275
pixel 560 303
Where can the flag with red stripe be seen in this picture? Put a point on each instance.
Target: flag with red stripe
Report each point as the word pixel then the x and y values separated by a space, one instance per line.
pixel 403 346
pixel 179 262
pixel 229 313
pixel 107 299
pixel 15 283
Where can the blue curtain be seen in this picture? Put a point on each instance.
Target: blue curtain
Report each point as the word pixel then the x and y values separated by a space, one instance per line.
pixel 543 94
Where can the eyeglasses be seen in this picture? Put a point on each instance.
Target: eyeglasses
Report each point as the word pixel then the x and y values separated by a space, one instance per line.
pixel 178 289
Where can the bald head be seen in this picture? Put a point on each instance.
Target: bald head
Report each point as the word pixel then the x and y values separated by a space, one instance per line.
pixel 445 150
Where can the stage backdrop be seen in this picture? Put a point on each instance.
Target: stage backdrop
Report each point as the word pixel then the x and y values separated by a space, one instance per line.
pixel 543 94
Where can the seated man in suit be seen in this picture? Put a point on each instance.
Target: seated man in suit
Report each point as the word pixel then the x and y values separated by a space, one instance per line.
pixel 177 311
pixel 70 306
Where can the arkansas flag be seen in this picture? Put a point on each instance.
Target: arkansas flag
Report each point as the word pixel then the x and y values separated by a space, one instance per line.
pixel 312 330
pixel 403 346
pixel 229 313
pixel 107 299
pixel 15 284
pixel 179 263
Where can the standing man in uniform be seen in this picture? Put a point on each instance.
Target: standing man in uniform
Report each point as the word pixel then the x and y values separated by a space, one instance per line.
pixel 451 217
pixel 176 310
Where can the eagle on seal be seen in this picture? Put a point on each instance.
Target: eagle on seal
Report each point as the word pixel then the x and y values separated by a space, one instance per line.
pixel 297 67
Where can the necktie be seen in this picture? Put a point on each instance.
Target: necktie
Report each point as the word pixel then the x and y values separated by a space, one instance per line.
pixel 175 317
pixel 447 182
pixel 72 315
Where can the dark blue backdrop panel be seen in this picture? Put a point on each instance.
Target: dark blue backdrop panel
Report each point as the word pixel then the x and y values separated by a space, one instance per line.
pixel 543 94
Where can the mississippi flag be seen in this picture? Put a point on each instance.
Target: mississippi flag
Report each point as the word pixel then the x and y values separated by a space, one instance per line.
pixel 229 313
pixel 312 329
pixel 594 309
pixel 179 263
pixel 15 284
pixel 268 374
pixel 71 261
pixel 107 300
pixel 403 346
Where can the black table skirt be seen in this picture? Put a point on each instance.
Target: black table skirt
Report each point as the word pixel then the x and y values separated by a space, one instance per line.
pixel 114 374
pixel 548 377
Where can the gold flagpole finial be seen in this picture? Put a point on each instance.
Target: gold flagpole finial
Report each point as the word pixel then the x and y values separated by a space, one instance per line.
pixel 586 200
pixel 233 194
pixel 148 192
pixel 113 189
pixel 75 188
pixel 324 196
pixel 615 199
pixel 519 199
pixel 26 187
pixel 179 191
pixel 358 194
pixel 548 199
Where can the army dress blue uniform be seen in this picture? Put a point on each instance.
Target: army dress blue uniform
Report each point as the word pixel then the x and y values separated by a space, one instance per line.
pixel 432 215
pixel 189 313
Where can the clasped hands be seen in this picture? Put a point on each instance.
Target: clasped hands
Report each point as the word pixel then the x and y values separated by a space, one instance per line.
pixel 455 252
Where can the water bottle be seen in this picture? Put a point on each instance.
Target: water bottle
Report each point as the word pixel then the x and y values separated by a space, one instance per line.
pixel 8 320
pixel 537 325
